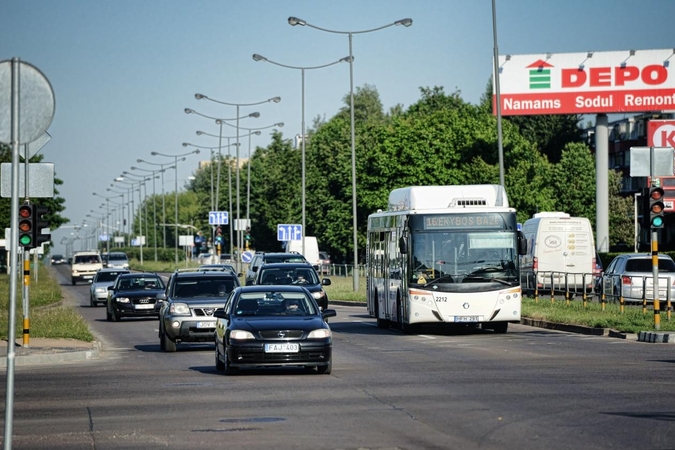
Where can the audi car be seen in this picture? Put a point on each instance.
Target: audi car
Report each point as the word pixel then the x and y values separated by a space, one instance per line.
pixel 134 295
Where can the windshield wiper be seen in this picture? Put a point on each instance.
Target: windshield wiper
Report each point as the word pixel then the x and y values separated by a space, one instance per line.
pixel 444 277
pixel 479 278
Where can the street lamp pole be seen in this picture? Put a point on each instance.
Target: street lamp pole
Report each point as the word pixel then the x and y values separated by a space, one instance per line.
pixel 257 57
pixel 220 122
pixel 293 21
pixel 238 105
pixel 175 157
pixel 163 200
pixel 154 202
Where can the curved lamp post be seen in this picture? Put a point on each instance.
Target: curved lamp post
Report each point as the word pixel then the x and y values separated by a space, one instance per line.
pixel 238 105
pixel 293 21
pixel 257 57
pixel 175 157
pixel 163 202
pixel 220 122
pixel 154 201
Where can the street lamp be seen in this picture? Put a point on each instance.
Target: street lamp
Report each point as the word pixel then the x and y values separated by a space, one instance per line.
pixel 220 122
pixel 257 57
pixel 176 206
pixel 163 202
pixel 154 201
pixel 229 184
pixel 142 182
pixel 238 105
pixel 107 210
pixel 248 179
pixel 293 21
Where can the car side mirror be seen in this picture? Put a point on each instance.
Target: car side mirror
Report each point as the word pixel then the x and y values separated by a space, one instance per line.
pixel 221 314
pixel 326 282
pixel 326 313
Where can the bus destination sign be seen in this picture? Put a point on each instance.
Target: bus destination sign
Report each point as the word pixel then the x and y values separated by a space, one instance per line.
pixel 464 220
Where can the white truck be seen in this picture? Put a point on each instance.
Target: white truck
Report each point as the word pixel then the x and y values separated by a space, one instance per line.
pixel 311 252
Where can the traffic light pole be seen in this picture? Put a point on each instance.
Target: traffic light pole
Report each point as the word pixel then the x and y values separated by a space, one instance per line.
pixel 26 298
pixel 655 276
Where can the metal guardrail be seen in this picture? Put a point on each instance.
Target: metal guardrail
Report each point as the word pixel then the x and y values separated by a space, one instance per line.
pixel 583 285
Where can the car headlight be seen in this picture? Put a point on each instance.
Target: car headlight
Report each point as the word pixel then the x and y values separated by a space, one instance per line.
pixel 181 309
pixel 122 300
pixel 321 333
pixel 318 295
pixel 100 290
pixel 241 334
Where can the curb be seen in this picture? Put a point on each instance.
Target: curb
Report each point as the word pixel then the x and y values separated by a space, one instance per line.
pixel 656 337
pixel 52 356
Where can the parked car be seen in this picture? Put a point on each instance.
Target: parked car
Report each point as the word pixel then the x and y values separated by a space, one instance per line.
pixel 273 326
pixel 118 260
pixel 301 274
pixel 57 259
pixel 192 297
pixel 630 274
pixel 98 290
pixel 84 266
pixel 270 257
pixel 134 295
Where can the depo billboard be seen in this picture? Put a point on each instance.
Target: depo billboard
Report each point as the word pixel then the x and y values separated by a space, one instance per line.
pixel 583 83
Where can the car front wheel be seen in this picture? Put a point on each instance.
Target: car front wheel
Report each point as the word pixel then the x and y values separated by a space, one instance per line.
pixel 220 366
pixel 169 345
pixel 325 370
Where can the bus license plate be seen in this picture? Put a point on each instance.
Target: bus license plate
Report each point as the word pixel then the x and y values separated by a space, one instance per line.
pixel 206 324
pixel 282 348
pixel 466 318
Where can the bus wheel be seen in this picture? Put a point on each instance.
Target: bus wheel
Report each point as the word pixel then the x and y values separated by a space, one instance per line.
pixel 404 327
pixel 498 327
pixel 381 323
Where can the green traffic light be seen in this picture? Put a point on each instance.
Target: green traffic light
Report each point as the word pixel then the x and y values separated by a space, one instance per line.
pixel 657 222
pixel 25 240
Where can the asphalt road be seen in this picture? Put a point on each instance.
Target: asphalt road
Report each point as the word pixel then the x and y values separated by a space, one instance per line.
pixel 528 389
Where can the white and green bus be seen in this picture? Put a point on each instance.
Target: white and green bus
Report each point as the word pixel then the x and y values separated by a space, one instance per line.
pixel 445 255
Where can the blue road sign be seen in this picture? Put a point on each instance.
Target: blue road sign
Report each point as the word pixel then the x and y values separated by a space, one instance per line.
pixel 246 257
pixel 218 218
pixel 289 232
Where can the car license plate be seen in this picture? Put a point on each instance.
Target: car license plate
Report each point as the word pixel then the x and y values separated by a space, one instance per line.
pixel 466 318
pixel 87 277
pixel 206 324
pixel 145 306
pixel 282 348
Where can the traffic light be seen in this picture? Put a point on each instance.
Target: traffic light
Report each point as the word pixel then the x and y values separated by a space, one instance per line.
pixel 39 222
pixel 26 217
pixel 656 207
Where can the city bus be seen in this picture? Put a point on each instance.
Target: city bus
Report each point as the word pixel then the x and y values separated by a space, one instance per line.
pixel 445 255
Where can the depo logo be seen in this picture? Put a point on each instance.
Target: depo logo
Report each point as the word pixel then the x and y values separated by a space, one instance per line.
pixel 540 75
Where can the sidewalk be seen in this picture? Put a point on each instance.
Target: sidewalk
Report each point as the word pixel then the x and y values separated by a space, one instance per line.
pixel 44 351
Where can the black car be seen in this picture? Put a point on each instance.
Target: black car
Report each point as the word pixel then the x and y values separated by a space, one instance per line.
pixel 193 295
pixel 134 295
pixel 57 259
pixel 301 274
pixel 277 325
pixel 261 258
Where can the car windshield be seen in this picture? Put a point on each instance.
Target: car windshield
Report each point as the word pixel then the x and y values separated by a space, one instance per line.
pixel 140 283
pixel 207 287
pixel 87 259
pixel 645 265
pixel 103 277
pixel 117 257
pixel 273 303
pixel 293 275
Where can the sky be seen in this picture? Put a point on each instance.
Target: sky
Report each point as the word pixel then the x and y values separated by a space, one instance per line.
pixel 123 71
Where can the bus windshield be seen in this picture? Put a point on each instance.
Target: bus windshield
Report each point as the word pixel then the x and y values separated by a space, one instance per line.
pixel 463 257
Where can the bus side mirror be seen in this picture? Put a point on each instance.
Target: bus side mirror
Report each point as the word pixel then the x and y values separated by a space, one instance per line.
pixel 522 244
pixel 403 245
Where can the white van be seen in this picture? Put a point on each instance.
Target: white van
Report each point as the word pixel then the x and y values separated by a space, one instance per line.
pixel 311 252
pixel 560 249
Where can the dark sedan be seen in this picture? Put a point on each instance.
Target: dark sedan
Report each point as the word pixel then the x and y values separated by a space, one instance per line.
pixel 134 295
pixel 264 326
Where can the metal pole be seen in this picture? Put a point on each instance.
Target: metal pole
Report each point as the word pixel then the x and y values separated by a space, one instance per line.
pixel 154 215
pixel 239 231
pixel 11 326
pixel 229 183
pixel 303 163
pixel 163 209
pixel 355 272
pixel 176 237
pixel 498 95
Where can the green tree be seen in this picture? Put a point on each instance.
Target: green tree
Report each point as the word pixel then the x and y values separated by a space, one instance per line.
pixel 574 181
pixel 621 210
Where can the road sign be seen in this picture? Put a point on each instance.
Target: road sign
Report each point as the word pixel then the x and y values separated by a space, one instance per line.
pixel 218 218
pixel 289 232
pixel 246 257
